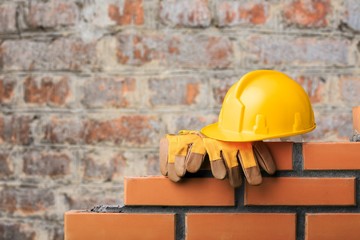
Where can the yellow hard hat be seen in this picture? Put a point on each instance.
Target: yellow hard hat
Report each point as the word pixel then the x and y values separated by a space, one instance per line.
pixel 263 104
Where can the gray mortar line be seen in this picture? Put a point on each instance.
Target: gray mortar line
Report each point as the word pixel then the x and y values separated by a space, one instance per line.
pixel 180 226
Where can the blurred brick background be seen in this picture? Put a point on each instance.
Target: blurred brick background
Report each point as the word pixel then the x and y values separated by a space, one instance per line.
pixel 88 87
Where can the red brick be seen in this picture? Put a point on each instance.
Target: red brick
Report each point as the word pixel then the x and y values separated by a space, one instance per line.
pixel 240 226
pixel 190 121
pixel 300 51
pixel 8 17
pixel 131 130
pixel 189 51
pixel 110 92
pixel 103 165
pixel 47 163
pixel 65 129
pixel 282 154
pixel 332 226
pixel 185 13
pixel 15 129
pixel 136 49
pixel 135 130
pixel 70 54
pixel 232 13
pixel 88 196
pixel 21 54
pixel 351 14
pixel 331 126
pixel 314 87
pixel 60 54
pixel 331 156
pixel 151 165
pixel 7 88
pixel 58 233
pixel 314 191
pixel 30 229
pixel 22 231
pixel 160 191
pixel 349 88
pixel 313 13
pixel 51 14
pixel 27 201
pixel 46 90
pixel 86 225
pixel 356 119
pixel 218 52
pixel 221 85
pixel 132 12
pixel 182 90
pixel 6 164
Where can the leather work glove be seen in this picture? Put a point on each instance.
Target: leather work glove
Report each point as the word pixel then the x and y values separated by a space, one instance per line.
pixel 180 153
pixel 186 151
pixel 227 157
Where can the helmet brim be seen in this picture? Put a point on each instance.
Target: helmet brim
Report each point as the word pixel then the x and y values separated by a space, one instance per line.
pixel 215 132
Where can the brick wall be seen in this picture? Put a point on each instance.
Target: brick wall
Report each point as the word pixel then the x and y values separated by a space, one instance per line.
pixel 313 195
pixel 88 87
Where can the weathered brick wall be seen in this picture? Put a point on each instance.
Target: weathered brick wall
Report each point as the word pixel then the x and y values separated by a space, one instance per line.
pixel 87 87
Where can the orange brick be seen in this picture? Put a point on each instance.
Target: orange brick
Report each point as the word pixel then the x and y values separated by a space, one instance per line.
pixel 331 156
pixel 282 154
pixel 189 192
pixel 91 226
pixel 290 191
pixel 332 226
pixel 240 226
pixel 356 118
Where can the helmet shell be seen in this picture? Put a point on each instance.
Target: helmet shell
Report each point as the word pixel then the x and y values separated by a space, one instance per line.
pixel 263 104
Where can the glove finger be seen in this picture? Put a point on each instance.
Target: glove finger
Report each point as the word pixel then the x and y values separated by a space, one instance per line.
pixel 178 149
pixel 163 155
pixel 172 173
pixel 218 169
pixel 230 157
pixel 194 161
pixel 195 156
pixel 264 157
pixel 248 163
pixel 179 165
pixel 212 149
pixel 217 165
pixel 233 169
pixel 235 176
